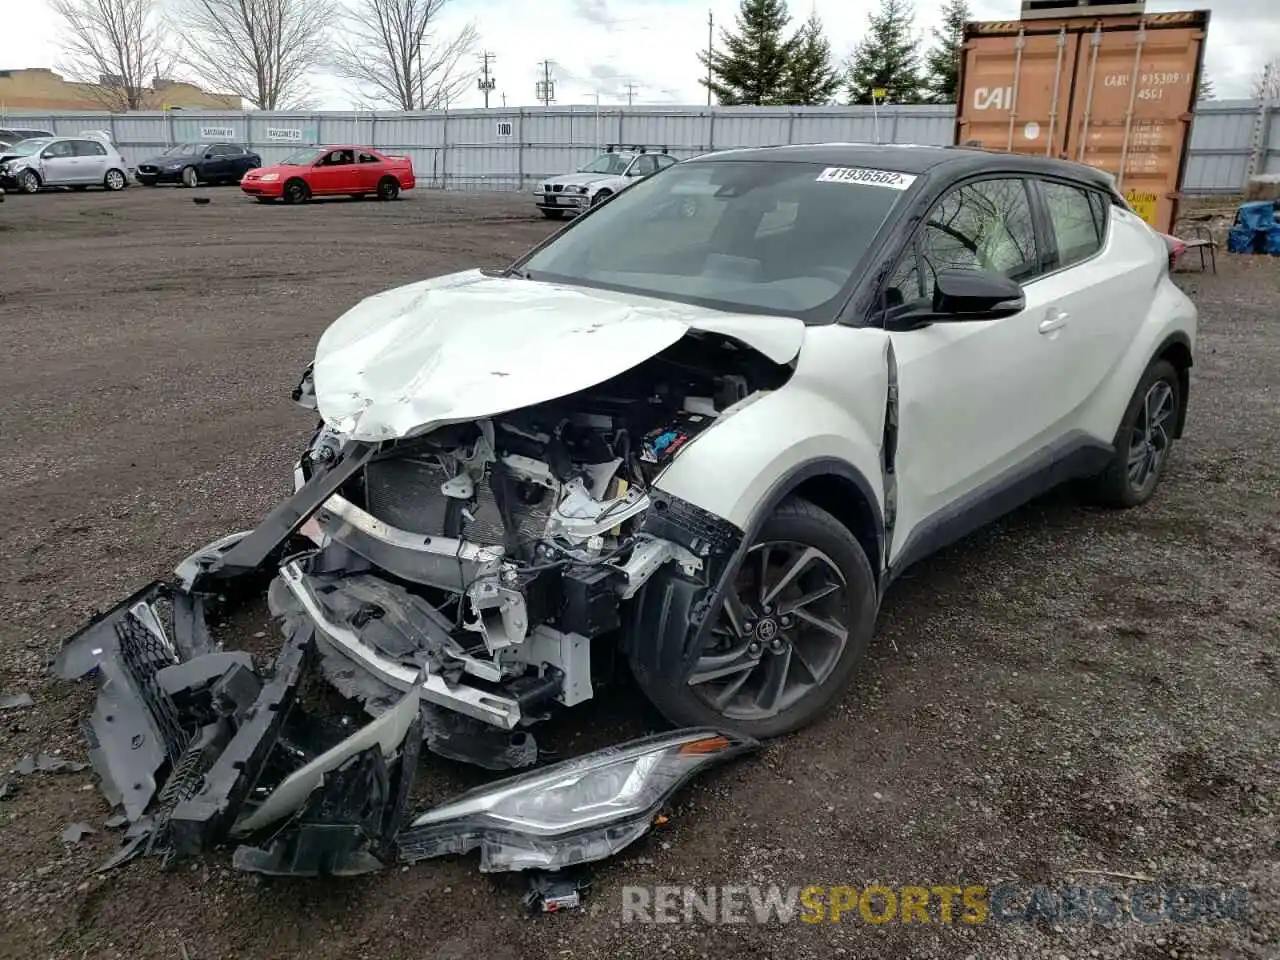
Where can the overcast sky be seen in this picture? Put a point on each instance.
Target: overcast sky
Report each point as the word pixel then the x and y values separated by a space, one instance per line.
pixel 601 46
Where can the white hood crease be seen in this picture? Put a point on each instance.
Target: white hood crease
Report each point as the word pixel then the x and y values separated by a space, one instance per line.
pixel 466 346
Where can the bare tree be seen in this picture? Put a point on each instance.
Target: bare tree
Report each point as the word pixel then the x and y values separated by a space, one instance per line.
pixel 1267 85
pixel 260 50
pixel 113 47
pixel 394 50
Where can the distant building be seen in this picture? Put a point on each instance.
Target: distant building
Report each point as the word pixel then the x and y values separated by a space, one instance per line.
pixel 39 88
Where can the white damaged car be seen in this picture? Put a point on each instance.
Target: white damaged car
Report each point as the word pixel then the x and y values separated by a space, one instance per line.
pixel 610 173
pixel 702 439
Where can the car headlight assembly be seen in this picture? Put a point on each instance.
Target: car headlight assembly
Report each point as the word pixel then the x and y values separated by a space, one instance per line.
pixel 578 190
pixel 270 177
pixel 572 812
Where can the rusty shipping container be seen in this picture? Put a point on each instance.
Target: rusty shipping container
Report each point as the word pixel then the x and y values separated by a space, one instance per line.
pixel 1112 89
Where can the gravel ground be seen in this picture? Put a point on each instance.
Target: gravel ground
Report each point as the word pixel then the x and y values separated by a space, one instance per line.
pixel 1068 691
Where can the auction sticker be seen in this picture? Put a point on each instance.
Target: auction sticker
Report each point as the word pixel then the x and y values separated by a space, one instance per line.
pixel 871 178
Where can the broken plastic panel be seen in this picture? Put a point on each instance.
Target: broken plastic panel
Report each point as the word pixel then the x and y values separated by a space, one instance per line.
pixel 572 812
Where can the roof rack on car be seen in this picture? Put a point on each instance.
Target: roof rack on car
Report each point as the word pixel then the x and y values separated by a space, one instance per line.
pixel 635 147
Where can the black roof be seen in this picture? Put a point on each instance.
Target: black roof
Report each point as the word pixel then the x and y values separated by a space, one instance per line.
pixel 903 158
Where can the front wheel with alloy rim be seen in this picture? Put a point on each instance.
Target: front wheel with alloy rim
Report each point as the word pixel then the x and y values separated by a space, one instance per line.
pixel 295 191
pixel 798 615
pixel 601 197
pixel 114 180
pixel 189 177
pixel 1143 442
pixel 29 181
pixel 388 189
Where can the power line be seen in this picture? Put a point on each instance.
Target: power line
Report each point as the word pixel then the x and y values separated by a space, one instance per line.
pixel 486 83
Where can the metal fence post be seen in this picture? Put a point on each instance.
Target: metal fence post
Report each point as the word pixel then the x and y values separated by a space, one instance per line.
pixel 791 127
pixel 168 128
pixel 444 152
pixel 520 146
pixel 711 130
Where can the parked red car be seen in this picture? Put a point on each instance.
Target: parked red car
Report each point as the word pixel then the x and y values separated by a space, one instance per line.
pixel 327 171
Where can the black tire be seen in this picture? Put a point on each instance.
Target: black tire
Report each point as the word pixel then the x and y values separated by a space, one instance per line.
pixel 1116 486
pixel 553 214
pixel 296 191
pixel 388 188
pixel 29 181
pixel 601 197
pixel 800 522
pixel 114 180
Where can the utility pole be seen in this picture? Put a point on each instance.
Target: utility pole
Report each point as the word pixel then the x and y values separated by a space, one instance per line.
pixel 631 93
pixel 546 87
pixel 711 23
pixel 504 99
pixel 486 83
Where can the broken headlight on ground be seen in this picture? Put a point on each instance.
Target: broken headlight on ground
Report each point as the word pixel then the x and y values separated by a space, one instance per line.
pixel 572 812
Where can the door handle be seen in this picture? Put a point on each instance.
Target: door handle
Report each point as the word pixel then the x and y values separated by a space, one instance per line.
pixel 1055 319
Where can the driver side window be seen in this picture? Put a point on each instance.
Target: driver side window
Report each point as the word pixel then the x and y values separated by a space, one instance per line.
pixel 985 225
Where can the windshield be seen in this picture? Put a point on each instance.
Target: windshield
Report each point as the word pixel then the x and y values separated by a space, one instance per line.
pixel 765 236
pixel 303 158
pixel 24 148
pixel 183 150
pixel 614 163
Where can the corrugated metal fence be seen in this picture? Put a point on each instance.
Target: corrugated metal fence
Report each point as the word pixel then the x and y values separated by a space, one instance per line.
pixel 502 149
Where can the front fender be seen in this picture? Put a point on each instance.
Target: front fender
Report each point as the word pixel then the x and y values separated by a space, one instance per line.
pixel 832 409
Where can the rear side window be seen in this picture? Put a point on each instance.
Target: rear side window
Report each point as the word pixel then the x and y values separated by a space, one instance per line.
pixel 367 157
pixel 1077 221
pixel 89 148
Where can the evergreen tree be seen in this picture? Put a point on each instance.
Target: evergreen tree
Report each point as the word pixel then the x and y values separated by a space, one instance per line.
pixel 942 63
pixel 812 80
pixel 752 65
pixel 1205 92
pixel 888 57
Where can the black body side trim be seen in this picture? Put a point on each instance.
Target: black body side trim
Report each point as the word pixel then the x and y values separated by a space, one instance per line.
pixel 1075 455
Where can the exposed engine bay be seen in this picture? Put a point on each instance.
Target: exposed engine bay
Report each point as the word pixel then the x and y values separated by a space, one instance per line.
pixel 492 553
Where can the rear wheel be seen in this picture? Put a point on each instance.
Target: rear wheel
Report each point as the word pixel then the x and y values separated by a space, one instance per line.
pixel 114 180
pixel 799 615
pixel 1143 442
pixel 296 191
pixel 388 188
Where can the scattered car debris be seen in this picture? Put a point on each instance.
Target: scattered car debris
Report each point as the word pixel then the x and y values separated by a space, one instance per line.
pixel 16 701
pixel 46 763
pixel 554 892
pixel 197 748
pixel 76 832
pixel 200 201
pixel 8 789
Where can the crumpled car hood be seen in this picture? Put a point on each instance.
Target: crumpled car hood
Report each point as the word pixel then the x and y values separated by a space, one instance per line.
pixel 467 346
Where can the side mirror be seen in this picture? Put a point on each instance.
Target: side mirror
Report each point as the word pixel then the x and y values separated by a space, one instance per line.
pixel 960 296
pixel 208 156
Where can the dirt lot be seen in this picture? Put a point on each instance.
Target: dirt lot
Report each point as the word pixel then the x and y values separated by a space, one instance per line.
pixel 1069 691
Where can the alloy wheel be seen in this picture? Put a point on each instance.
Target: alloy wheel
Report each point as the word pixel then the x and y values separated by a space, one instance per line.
pixel 189 178
pixel 780 635
pixel 1149 442
pixel 30 182
pixel 115 180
